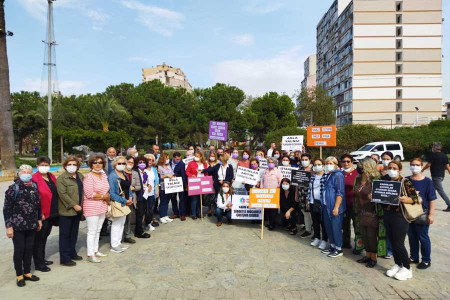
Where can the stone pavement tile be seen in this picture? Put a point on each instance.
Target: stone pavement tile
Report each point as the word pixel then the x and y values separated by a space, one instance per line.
pixel 392 297
pixel 296 294
pixel 342 294
pixel 275 294
pixel 324 295
pixel 258 294
pixel 412 295
pixel 441 295
pixel 376 295
pixel 425 295
pixel 241 294
pixel 309 294
pixel 403 294
pixel 174 294
pixel 356 295
pixel 158 294
pixel 191 294
pixel 209 294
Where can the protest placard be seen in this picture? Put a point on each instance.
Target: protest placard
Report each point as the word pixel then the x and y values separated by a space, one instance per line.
pixel 292 143
pixel 218 131
pixel 386 192
pixel 321 136
pixel 263 163
pixel 173 185
pixel 241 211
pixel 200 185
pixel 300 178
pixel 248 176
pixel 264 198
pixel 286 172
pixel 188 160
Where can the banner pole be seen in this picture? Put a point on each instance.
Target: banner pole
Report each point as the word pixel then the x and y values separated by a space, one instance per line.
pixel 201 206
pixel 262 225
pixel 320 152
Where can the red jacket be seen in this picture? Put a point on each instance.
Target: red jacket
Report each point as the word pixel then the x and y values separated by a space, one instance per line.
pixel 44 192
pixel 191 170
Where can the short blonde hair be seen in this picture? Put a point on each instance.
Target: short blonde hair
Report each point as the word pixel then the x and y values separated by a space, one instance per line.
pixel 116 160
pixel 333 160
pixel 150 156
pixel 369 167
pixel 225 157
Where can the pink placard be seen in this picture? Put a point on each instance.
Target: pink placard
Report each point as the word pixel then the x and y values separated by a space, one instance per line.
pixel 200 185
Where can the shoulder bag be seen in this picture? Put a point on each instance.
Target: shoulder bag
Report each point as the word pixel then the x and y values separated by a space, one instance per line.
pixel 115 209
pixel 411 212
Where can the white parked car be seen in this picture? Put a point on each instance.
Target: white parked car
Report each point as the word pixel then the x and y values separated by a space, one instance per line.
pixel 378 148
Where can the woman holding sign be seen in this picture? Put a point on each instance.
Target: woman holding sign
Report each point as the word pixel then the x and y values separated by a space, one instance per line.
pixel 396 224
pixel 224 203
pixel 195 169
pixel 209 199
pixel 333 208
pixel 165 171
pixel 271 179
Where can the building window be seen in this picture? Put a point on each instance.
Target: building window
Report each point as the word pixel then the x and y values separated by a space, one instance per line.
pixel 398 119
pixel 399 6
pixel 398 69
pixel 399 81
pixel 399 56
pixel 398 106
pixel 399 44
pixel 399 31
pixel 399 19
pixel 398 94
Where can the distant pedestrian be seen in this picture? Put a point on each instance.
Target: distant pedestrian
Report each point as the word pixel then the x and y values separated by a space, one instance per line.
pixel 438 163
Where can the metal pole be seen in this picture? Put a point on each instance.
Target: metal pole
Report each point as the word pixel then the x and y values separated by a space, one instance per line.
pixel 50 146
pixel 417 117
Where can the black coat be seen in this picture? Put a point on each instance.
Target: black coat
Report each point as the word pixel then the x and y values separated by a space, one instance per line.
pixel 214 171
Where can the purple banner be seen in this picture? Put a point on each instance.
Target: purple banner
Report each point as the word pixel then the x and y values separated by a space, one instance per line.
pixel 218 131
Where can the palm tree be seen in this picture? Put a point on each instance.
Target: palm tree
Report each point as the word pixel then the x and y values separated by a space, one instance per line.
pixel 6 125
pixel 107 110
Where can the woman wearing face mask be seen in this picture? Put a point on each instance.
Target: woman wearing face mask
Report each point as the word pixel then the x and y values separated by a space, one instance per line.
pixel 196 169
pixel 239 187
pixel 95 204
pixel 23 217
pixel 165 171
pixel 234 160
pixel 333 208
pixel 288 206
pixel 396 225
pixel 302 192
pixel 129 172
pixel 244 163
pixel 149 177
pixel 294 161
pixel 418 230
pixel 70 205
pixel 210 199
pixel 367 216
pixel 314 204
pixel 259 155
pixel 285 161
pixel 220 173
pixel 271 178
pixel 224 203
pixel 254 165
pixel 48 193
pixel 277 156
pixel 386 158
pixel 350 174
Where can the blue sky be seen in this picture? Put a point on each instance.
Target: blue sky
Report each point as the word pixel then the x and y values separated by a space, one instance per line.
pixel 257 45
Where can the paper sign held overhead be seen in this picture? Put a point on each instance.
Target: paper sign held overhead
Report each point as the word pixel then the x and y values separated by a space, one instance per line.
pixel 292 143
pixel 321 136
pixel 246 175
pixel 173 185
pixel 200 185
pixel 218 131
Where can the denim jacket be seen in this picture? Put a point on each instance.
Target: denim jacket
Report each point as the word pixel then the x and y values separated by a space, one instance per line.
pixel 334 186
pixel 114 189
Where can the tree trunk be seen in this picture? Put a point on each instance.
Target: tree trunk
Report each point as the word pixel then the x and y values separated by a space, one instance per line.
pixel 20 147
pixel 6 124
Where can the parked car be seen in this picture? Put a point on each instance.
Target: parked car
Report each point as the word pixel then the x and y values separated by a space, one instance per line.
pixel 378 148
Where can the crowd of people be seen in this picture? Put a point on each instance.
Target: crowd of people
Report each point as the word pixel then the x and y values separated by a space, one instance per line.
pixel 125 189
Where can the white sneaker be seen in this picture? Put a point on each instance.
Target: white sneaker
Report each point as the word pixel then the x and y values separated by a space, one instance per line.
pixel 163 220
pixel 99 254
pixel 392 271
pixel 124 247
pixel 403 274
pixel 117 249
pixel 93 259
pixel 168 219
pixel 152 228
pixel 323 245
pixel 315 243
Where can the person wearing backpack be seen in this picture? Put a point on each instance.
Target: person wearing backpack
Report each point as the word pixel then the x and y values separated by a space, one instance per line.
pixel 23 217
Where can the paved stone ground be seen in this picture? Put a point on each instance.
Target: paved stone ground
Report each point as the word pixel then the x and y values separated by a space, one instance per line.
pixel 195 260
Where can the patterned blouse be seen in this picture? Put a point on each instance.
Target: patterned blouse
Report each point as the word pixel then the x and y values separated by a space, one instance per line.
pixel 22 212
pixel 91 185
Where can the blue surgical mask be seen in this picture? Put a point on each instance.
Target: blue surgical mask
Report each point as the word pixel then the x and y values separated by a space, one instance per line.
pixel 25 177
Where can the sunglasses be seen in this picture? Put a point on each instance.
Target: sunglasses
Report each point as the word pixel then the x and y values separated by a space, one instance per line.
pixel 346 161
pixel 121 164
pixel 97 163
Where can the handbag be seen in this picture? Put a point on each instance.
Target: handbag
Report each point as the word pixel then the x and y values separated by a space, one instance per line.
pixel 115 209
pixel 317 207
pixel 410 211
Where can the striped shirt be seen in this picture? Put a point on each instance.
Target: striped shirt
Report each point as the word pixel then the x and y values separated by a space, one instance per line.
pixel 91 185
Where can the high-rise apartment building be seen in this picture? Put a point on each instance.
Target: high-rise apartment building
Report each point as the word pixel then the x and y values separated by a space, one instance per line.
pixel 309 73
pixel 381 60
pixel 168 75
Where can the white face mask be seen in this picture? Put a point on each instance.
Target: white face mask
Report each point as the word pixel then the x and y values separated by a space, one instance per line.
pixel 386 163
pixel 197 158
pixel 225 189
pixel 285 163
pixel 212 158
pixel 348 170
pixel 416 169
pixel 136 154
pixel 44 169
pixel 277 156
pixel 130 167
pixel 120 168
pixel 318 169
pixel 111 158
pixel 99 171
pixel 393 173
pixel 329 168
pixel 305 163
pixel 167 161
pixel 71 169
pixel 285 186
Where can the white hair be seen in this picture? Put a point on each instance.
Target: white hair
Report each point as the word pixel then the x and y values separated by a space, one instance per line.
pixel 190 152
pixel 116 160
pixel 129 150
pixel 25 167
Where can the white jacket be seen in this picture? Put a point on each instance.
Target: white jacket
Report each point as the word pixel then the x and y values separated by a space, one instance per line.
pixel 222 201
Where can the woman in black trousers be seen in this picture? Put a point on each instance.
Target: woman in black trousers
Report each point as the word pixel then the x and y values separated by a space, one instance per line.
pixel 22 214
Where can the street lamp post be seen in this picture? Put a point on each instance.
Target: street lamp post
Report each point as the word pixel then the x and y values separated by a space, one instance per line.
pixel 417 116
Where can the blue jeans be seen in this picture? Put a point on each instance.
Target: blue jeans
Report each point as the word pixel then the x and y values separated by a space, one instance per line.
pixel 195 205
pixel 174 201
pixel 418 233
pixel 164 204
pixel 437 182
pixel 220 213
pixel 182 204
pixel 388 246
pixel 333 226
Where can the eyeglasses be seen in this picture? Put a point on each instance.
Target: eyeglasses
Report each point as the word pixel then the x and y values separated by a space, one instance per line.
pixel 151 159
pixel 346 161
pixel 75 165
pixel 97 163
pixel 121 164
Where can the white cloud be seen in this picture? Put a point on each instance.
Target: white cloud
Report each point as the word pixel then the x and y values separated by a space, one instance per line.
pixel 262 6
pixel 35 8
pixel 159 20
pixel 243 39
pixel 281 73
pixel 67 87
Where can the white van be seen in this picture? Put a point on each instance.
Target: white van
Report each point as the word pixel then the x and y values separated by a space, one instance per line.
pixel 378 148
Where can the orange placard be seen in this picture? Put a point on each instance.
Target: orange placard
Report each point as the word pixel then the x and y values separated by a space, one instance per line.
pixel 321 136
pixel 264 198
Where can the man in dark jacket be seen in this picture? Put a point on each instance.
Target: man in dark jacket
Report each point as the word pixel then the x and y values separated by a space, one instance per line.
pixel 179 169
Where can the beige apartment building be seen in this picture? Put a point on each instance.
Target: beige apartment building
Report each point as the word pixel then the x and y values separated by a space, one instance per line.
pixel 381 60
pixel 168 75
pixel 309 73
